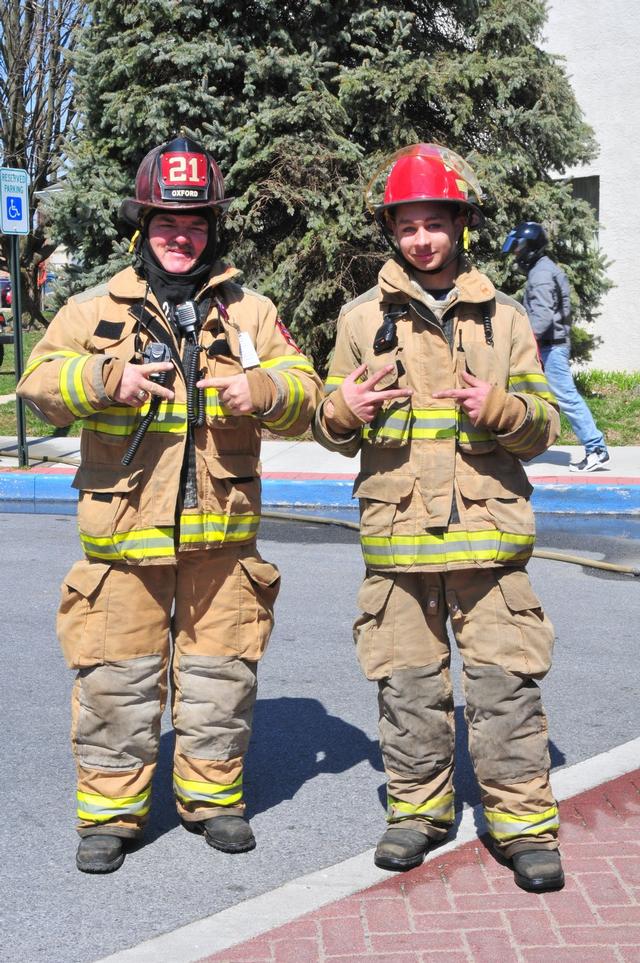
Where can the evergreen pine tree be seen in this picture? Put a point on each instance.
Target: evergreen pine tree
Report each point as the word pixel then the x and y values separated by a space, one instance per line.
pixel 301 102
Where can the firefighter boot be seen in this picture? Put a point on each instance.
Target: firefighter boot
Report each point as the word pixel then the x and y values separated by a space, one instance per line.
pixel 229 833
pixel 401 848
pixel 100 853
pixel 538 870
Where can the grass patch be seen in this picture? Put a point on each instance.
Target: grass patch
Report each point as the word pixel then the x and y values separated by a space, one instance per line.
pixel 8 424
pixel 614 400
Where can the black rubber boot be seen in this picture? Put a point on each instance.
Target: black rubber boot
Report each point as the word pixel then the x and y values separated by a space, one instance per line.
pixel 538 870
pixel 401 849
pixel 229 833
pixel 100 853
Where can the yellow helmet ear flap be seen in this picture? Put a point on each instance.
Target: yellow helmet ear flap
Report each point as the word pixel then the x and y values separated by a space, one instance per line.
pixel 132 242
pixel 466 238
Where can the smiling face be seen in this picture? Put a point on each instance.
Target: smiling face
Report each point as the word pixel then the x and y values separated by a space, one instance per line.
pixel 178 240
pixel 427 235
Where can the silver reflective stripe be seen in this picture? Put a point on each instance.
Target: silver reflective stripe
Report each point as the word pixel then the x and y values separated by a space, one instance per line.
pixel 449 547
pixel 502 826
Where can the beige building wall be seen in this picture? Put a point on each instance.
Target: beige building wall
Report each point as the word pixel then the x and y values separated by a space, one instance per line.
pixel 600 40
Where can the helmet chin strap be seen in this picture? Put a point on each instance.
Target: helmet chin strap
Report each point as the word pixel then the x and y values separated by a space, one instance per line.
pixel 455 254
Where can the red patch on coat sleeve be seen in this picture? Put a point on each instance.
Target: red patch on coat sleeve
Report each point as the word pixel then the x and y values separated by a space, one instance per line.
pixel 286 334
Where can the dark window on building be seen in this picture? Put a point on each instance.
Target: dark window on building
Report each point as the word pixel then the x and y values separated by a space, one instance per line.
pixel 588 189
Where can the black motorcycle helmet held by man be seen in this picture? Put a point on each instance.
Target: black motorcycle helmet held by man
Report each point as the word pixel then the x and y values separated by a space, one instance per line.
pixel 527 242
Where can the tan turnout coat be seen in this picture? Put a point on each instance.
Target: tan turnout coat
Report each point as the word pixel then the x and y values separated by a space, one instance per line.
pixel 132 514
pixel 437 492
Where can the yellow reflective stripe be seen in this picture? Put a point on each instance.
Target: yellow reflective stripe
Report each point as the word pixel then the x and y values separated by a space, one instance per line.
pixel 122 420
pixel 98 809
pixel 332 383
pixel 445 547
pixel 389 423
pixel 432 423
pixel 288 361
pixel 213 406
pixel 72 387
pixel 507 826
pixel 440 807
pixel 295 398
pixel 523 442
pixel 421 423
pixel 209 527
pixel 531 382
pixel 191 790
pixel 54 356
pixel 468 433
pixel 140 543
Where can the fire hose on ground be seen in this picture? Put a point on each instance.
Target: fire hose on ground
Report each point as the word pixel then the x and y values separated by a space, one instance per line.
pixel 537 552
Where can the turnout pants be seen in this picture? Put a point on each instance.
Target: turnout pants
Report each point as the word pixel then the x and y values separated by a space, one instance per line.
pixel 506 643
pixel 206 618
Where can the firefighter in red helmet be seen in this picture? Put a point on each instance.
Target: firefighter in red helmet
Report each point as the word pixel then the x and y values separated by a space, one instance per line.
pixel 173 368
pixel 435 380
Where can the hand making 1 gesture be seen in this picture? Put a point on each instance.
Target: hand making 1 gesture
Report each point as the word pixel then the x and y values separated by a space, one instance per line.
pixel 471 399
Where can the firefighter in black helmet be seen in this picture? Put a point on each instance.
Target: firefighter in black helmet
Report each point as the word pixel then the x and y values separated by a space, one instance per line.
pixel 172 581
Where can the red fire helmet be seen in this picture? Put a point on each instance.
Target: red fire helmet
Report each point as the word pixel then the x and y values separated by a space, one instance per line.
pixel 427 172
pixel 177 176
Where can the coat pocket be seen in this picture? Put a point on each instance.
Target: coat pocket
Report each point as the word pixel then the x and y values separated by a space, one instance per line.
pixel 105 494
pixel 373 630
pixel 232 485
pixel 502 503
pixel 532 657
pixel 81 621
pixel 381 497
pixel 259 587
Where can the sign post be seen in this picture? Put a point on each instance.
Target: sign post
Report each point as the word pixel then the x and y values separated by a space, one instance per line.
pixel 14 221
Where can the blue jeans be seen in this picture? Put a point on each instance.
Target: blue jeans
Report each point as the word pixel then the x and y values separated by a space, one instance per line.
pixel 555 359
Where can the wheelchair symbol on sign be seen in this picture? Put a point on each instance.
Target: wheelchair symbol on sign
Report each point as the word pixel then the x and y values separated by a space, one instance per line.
pixel 14 208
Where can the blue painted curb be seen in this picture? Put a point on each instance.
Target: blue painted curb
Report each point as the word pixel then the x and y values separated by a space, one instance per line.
pixel 52 494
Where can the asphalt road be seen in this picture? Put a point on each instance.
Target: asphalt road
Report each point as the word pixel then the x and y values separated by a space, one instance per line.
pixel 314 779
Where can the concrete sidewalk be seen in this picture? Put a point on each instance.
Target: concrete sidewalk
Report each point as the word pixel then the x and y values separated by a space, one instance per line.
pixel 308 459
pixel 302 473
pixel 461 905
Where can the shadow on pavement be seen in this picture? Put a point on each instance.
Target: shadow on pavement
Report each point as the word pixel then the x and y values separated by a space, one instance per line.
pixel 293 741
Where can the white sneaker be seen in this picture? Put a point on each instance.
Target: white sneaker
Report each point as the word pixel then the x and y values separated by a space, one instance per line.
pixel 592 461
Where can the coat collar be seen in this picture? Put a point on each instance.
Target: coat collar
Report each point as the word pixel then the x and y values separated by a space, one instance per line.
pixel 397 285
pixel 128 286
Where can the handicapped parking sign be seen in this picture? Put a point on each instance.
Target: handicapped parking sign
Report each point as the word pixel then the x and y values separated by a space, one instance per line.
pixel 14 208
pixel 14 201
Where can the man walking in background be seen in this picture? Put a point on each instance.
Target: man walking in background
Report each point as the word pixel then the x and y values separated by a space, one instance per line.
pixel 548 303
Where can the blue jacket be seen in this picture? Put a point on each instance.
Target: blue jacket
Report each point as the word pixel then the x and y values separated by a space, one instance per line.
pixel 547 301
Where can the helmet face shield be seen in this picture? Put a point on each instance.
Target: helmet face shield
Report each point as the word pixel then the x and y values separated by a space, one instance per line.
pixel 425 173
pixel 179 176
pixel 509 242
pixel 527 241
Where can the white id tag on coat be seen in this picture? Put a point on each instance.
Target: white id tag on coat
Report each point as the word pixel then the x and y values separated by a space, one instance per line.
pixel 248 354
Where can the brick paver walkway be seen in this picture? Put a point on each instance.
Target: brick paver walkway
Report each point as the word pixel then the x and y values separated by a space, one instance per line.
pixel 465 907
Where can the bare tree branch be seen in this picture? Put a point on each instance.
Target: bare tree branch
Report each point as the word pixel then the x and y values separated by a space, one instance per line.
pixel 36 109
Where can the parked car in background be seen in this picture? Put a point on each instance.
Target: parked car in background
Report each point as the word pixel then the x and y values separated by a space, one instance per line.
pixel 5 293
